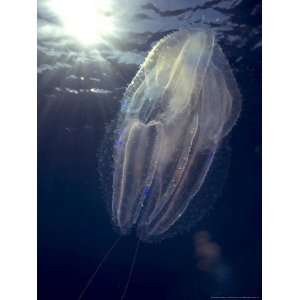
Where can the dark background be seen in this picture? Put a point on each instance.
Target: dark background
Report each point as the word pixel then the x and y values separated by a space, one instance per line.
pixel 74 228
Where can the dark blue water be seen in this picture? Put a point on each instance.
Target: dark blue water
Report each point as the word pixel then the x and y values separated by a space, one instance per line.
pixel 79 93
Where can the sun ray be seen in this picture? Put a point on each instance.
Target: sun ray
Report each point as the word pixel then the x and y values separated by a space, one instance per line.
pixel 85 20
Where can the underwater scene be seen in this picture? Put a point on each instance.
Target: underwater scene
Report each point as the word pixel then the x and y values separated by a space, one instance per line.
pixel 149 149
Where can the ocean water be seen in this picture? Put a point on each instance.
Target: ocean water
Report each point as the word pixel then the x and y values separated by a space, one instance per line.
pixel 80 86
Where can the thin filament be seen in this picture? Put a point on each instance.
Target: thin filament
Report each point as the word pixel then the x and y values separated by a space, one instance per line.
pixel 131 270
pixel 97 269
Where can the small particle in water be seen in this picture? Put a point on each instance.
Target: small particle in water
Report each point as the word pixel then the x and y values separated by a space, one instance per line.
pixel 146 190
pixel 119 142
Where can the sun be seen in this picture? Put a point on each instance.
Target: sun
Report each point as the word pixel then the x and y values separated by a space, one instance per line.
pixel 85 20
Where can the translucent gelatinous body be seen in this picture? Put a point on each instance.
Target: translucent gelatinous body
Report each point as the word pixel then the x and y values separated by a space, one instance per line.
pixel 174 115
